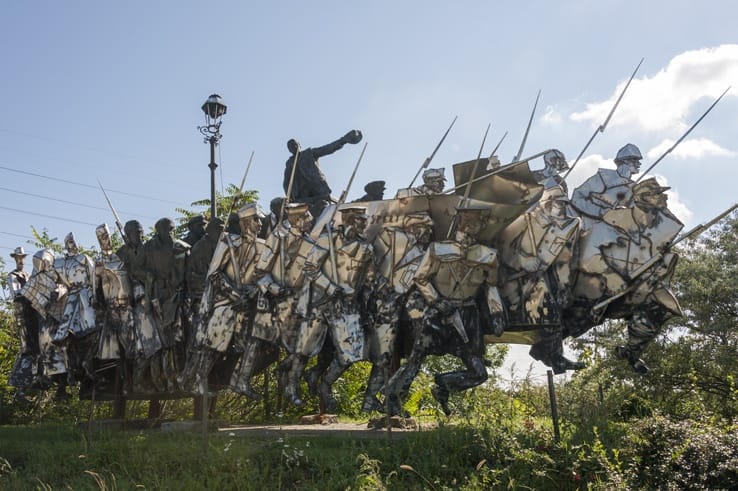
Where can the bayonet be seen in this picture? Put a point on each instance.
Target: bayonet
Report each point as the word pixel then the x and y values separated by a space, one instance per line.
pixel 683 136
pixel 469 184
pixel 344 194
pixel 328 227
pixel 527 129
pixel 703 226
pixel 118 223
pixel 287 198
pixel 429 159
pixel 601 128
pixel 285 201
pixel 240 188
pixel 494 152
pixel 474 169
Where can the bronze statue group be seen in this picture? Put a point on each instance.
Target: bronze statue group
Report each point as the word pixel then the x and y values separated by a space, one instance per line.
pixel 504 256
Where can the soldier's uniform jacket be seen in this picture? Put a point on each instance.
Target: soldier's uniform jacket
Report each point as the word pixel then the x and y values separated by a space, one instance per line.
pixel 114 294
pixel 26 321
pixel 536 240
pixel 452 271
pixel 283 265
pixel 164 268
pixel 603 191
pixel 288 248
pixel 225 286
pixel 354 261
pixel 112 282
pixel 16 280
pixel 246 254
pixel 76 273
pixel 398 256
pixel 39 290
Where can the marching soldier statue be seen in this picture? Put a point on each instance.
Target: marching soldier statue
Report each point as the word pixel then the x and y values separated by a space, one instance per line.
pixel 284 300
pixel 399 251
pixel 145 327
pixel 114 298
pixel 229 299
pixel 538 254
pixel 76 273
pixel 340 302
pixel 47 297
pixel 452 276
pixel 162 263
pixel 25 368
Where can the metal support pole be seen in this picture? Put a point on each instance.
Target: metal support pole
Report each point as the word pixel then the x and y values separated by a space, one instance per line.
pixel 213 142
pixel 204 421
pixel 554 407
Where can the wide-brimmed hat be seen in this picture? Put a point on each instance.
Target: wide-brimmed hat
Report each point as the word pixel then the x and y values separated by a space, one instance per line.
pixel 18 252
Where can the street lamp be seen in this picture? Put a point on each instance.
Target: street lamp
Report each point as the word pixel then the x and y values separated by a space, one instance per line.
pixel 214 109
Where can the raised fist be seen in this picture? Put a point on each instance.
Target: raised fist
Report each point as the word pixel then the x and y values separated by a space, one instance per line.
pixel 353 137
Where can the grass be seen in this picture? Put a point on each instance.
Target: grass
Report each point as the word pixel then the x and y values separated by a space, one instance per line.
pixel 60 457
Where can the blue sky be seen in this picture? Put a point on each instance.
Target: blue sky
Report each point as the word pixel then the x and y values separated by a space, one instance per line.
pixel 112 91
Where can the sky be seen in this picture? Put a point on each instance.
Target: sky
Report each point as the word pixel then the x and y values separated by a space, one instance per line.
pixel 113 90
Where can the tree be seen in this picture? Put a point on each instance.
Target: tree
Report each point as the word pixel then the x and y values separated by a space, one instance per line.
pixel 693 362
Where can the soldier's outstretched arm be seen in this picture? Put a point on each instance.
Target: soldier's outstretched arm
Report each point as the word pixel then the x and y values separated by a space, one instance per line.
pixel 353 137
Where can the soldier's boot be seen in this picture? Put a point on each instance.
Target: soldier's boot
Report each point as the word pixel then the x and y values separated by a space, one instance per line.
pixel 312 377
pixel 638 365
pixel 196 372
pixel 560 364
pixel 376 381
pixel 241 378
pixel 61 390
pixel 324 388
pixel 441 393
pixel 292 386
pixel 157 376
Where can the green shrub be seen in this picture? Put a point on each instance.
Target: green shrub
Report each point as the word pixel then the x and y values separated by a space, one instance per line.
pixel 687 454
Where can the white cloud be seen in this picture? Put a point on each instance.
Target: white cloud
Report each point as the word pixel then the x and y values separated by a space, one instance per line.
pixel 551 117
pixel 696 148
pixel 663 101
pixel 585 168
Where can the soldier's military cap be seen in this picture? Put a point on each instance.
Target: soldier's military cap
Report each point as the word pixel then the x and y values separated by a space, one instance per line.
pixel 248 210
pixel 297 209
pixel 196 220
pixel 439 173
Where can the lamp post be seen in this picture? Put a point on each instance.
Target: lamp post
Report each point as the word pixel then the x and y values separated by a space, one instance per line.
pixel 214 109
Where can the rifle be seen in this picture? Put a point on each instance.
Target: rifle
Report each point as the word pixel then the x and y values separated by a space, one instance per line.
pixel 229 242
pixel 118 223
pixel 527 129
pixel 239 195
pixel 684 135
pixel 284 205
pixel 498 146
pixel 328 229
pixel 289 186
pixel 469 184
pixel 601 128
pixel 648 264
pixel 428 160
